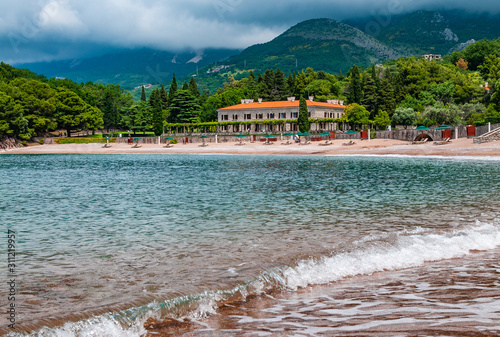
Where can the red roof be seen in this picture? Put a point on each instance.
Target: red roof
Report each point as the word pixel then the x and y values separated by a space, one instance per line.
pixel 281 104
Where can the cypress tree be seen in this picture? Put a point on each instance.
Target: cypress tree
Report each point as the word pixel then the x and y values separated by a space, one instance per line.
pixel 387 99
pixel 164 97
pixel 157 117
pixel 355 86
pixel 370 96
pixel 279 91
pixel 303 120
pixel 193 88
pixel 143 95
pixel 172 90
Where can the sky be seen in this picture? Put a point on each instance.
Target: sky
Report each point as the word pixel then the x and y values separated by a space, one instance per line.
pixel 46 30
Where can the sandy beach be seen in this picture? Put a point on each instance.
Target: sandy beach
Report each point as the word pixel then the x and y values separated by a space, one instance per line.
pixel 458 147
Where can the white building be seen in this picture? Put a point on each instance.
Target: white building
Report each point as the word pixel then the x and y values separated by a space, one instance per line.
pixel 284 111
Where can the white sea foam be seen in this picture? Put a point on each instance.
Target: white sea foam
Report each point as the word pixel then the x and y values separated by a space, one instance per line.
pixel 405 249
pixel 409 250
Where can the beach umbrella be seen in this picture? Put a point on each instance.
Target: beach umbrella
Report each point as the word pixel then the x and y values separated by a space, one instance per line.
pixel 288 134
pixel 267 137
pixel 240 136
pixel 204 137
pixel 422 128
pixel 350 133
pixel 443 127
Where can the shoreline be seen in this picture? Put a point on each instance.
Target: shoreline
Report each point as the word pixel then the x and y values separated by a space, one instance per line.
pixel 457 148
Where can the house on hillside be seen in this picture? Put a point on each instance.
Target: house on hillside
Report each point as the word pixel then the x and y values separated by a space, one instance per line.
pixel 432 57
pixel 278 116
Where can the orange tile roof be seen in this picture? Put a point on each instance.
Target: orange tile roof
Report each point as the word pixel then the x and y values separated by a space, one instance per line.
pixel 281 104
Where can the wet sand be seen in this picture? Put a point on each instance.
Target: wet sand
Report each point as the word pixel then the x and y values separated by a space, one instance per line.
pixel 458 147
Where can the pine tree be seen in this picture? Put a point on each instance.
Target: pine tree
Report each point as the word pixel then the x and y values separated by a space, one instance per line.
pixel 193 88
pixel 172 90
pixel 267 85
pixel 184 108
pixel 370 94
pixel 110 112
pixel 143 94
pixel 157 122
pixel 303 120
pixel 164 98
pixel 279 91
pixel 386 97
pixel 355 86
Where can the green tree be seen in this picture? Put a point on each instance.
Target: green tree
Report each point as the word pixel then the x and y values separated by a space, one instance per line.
pixel 184 108
pixel 193 88
pixel 73 113
pixel 111 118
pixel 386 96
pixel 157 118
pixel 164 98
pixel 382 120
pixel 172 90
pixel 303 120
pixel 355 92
pixel 404 116
pixel 370 96
pixel 357 115
pixel 143 94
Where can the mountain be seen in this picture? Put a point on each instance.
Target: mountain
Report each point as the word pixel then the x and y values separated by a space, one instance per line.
pixel 131 68
pixel 322 44
pixel 427 32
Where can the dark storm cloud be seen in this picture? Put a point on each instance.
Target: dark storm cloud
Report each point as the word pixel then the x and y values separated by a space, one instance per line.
pixel 34 30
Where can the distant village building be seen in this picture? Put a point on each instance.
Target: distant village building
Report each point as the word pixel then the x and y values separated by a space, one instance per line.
pixel 144 85
pixel 432 57
pixel 250 111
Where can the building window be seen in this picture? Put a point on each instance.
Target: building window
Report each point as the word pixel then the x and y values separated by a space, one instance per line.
pixel 283 115
pixel 260 116
pixel 235 117
pixel 271 116
pixel 225 117
pixel 295 115
pixel 247 116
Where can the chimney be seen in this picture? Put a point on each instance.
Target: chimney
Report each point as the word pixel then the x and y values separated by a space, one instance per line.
pixel 341 102
pixel 335 101
pixel 311 98
pixel 291 99
pixel 260 100
pixel 242 101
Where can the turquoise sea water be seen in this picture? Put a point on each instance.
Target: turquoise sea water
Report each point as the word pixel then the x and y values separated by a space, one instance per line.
pixel 127 237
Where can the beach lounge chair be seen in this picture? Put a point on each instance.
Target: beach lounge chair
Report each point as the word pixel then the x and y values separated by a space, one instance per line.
pixel 137 146
pixel 169 145
pixel 444 141
pixel 204 144
pixel 107 145
pixel 305 143
pixel 286 143
pixel 349 143
pixel 240 143
pixel 328 142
